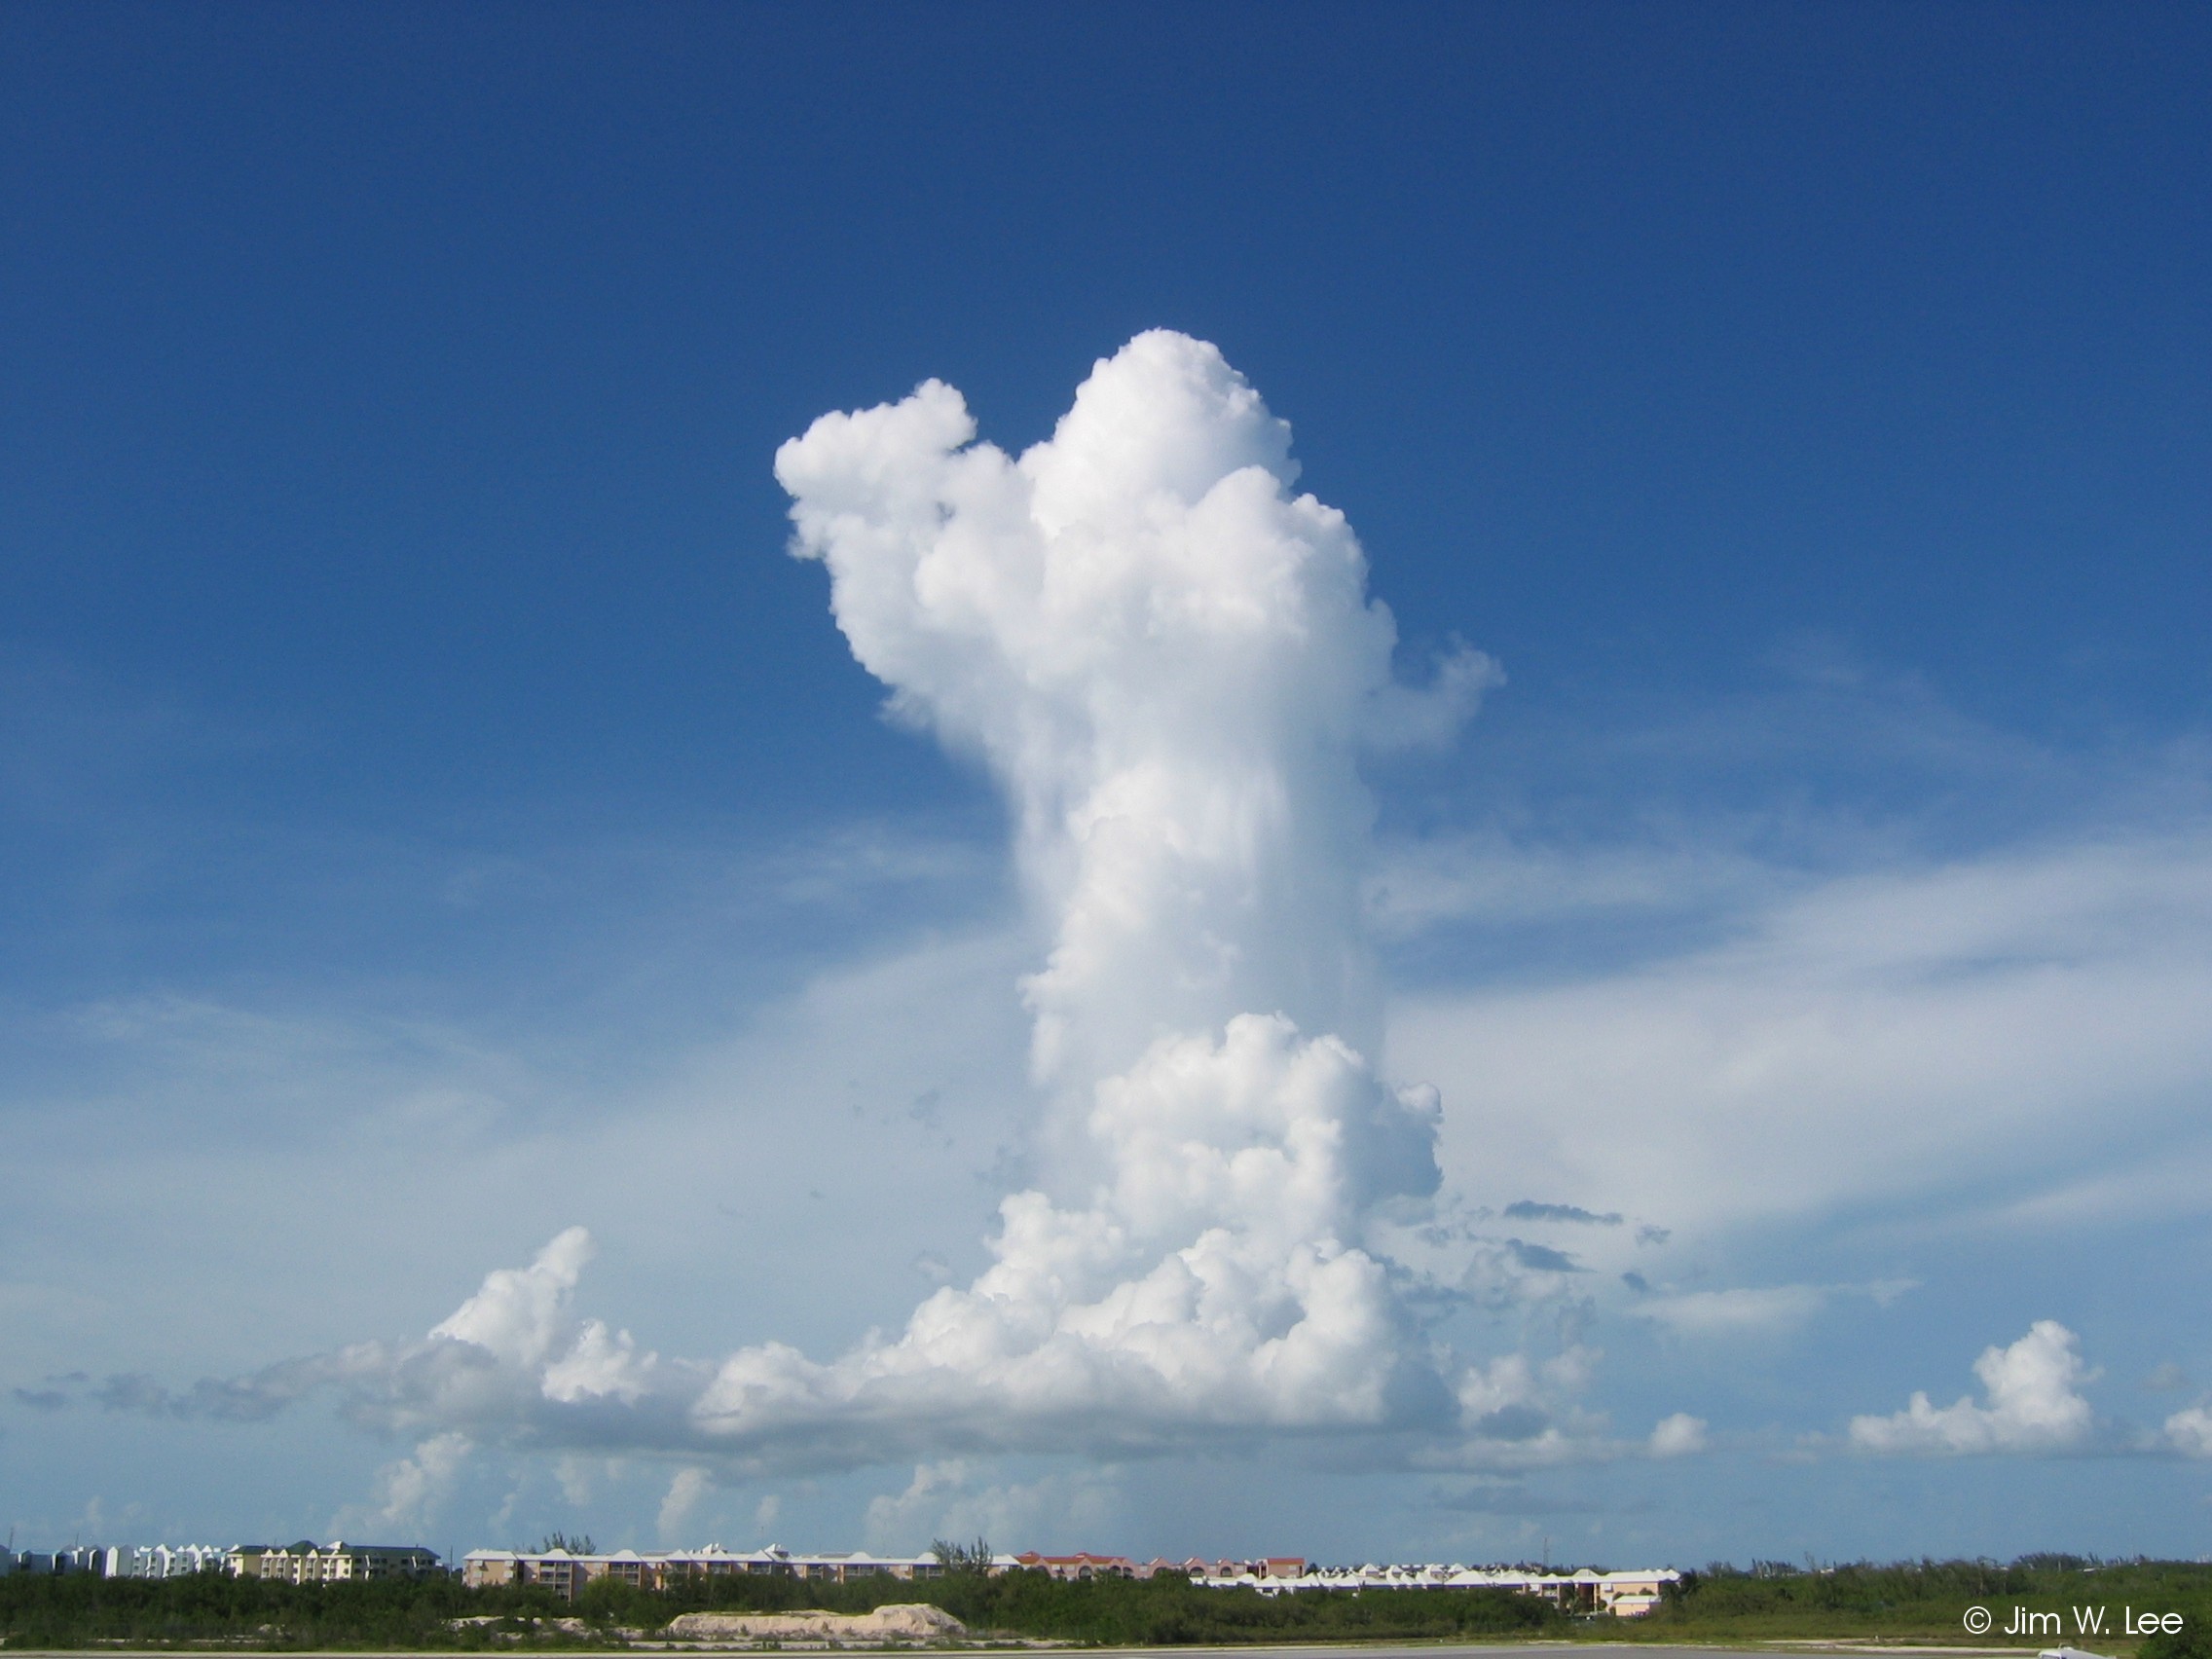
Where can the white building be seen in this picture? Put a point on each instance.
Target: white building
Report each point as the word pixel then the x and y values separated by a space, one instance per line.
pixel 161 1560
pixel 1624 1595
pixel 310 1562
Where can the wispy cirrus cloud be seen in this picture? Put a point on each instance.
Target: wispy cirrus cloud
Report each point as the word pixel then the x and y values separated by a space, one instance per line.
pixel 1525 1209
pixel 1852 1044
pixel 1761 1308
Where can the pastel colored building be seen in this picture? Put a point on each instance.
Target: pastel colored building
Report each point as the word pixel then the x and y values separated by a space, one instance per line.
pixel 336 1563
pixel 564 1571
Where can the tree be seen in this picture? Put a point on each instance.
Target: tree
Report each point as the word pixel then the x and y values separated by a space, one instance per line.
pixel 973 1557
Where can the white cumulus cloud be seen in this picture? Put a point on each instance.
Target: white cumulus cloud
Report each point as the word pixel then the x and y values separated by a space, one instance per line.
pixel 1170 663
pixel 410 1491
pixel 686 1492
pixel 2190 1432
pixel 2032 1404
pixel 521 1320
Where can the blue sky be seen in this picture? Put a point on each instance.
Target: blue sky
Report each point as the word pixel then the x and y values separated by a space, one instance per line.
pixel 438 813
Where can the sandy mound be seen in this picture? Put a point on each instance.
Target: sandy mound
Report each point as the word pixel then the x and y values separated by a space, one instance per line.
pixel 894 1621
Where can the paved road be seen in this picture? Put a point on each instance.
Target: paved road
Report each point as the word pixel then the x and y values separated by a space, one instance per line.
pixel 1542 1650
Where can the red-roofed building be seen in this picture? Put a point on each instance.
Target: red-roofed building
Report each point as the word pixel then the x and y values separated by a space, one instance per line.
pixel 1079 1566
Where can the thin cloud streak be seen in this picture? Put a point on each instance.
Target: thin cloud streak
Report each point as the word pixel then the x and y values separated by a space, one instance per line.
pixel 1903 1035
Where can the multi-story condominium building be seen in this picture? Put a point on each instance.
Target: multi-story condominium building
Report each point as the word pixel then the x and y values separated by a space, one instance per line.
pixel 310 1562
pixel 161 1560
pixel 1080 1567
pixel 564 1572
pixel 1198 1570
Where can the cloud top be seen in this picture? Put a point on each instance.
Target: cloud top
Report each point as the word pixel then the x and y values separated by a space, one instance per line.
pixel 1169 662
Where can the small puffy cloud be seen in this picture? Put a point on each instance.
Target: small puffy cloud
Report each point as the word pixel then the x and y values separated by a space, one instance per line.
pixel 1517 1413
pixel 1678 1436
pixel 686 1492
pixel 1507 1383
pixel 2032 1403
pixel 520 1317
pixel 514 1363
pixel 410 1491
pixel 2190 1432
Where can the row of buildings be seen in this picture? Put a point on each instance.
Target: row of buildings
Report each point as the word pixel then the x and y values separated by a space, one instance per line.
pixel 310 1562
pixel 1624 1595
pixel 564 1572
pixel 303 1563
pixel 560 1570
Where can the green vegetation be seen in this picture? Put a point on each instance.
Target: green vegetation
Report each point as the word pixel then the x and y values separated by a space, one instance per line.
pixel 2194 1641
pixel 1912 1601
pixel 1158 1611
pixel 963 1557
pixel 1927 1601
pixel 79 1610
pixel 1168 1609
pixel 83 1611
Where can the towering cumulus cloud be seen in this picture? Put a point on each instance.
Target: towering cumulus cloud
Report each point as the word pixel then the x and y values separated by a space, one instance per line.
pixel 1170 663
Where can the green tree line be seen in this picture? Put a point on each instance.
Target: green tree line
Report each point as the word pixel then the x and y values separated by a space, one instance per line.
pixel 1930 1599
pixel 79 1610
pixel 1923 1600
